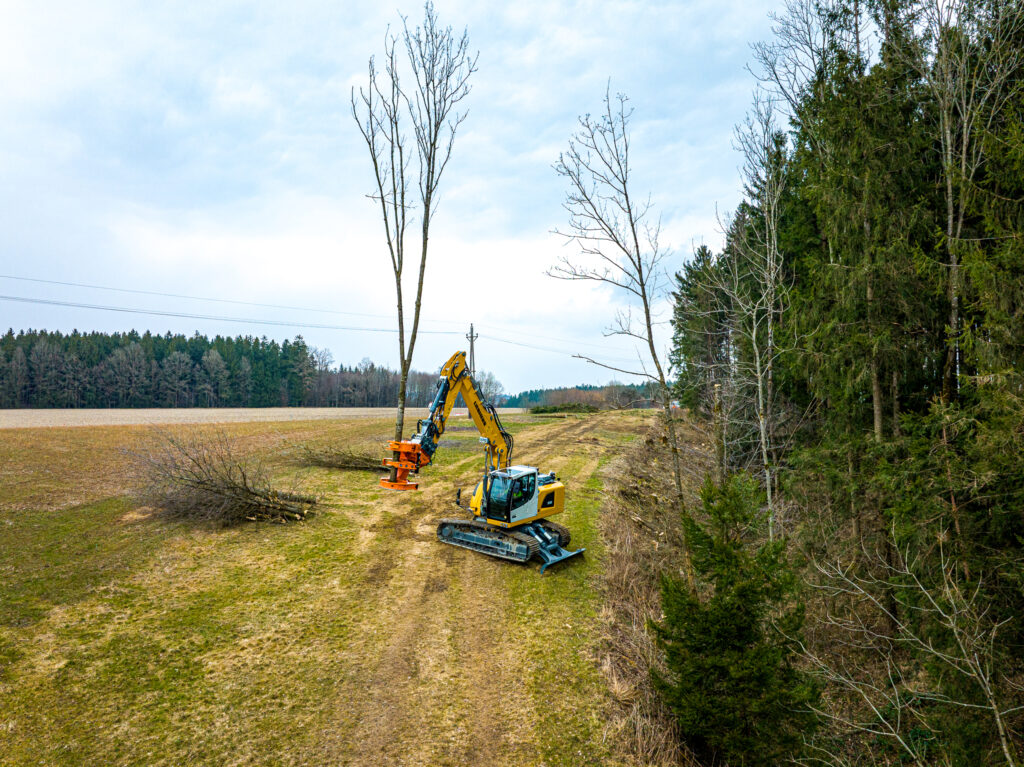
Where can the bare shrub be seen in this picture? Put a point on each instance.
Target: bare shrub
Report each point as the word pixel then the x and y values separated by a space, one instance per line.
pixel 207 477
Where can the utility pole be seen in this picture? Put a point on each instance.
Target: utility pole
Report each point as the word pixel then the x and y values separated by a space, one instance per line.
pixel 471 337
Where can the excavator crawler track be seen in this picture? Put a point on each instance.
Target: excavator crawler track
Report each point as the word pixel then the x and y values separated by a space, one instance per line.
pixel 539 539
pixel 562 532
pixel 487 539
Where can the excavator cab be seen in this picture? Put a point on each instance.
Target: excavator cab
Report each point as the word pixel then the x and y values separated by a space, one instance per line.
pixel 517 495
pixel 498 493
pixel 512 495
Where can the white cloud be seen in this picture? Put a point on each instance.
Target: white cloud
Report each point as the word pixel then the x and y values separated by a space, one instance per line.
pixel 207 149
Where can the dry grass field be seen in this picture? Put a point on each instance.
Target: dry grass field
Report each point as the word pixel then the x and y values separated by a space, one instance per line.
pixel 351 638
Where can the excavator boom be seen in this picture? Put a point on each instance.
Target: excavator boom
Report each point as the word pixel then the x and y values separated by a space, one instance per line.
pixel 412 454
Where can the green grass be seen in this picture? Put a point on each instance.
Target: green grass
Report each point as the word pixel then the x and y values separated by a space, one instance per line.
pixel 54 559
pixel 556 626
pixel 146 651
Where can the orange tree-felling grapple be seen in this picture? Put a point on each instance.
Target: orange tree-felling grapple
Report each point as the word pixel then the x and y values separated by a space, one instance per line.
pixel 511 505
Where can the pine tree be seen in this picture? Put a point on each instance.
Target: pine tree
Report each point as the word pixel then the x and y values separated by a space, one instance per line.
pixel 700 341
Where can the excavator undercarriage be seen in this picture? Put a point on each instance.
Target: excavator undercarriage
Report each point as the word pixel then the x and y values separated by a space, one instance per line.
pixel 544 540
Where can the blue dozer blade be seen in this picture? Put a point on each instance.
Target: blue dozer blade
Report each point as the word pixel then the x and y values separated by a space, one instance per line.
pixel 549 553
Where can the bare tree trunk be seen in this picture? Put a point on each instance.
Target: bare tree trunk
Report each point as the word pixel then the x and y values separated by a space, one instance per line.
pixel 719 432
pixel 751 283
pixel 762 429
pixel 400 417
pixel 876 383
pixel 949 370
pixel 440 65
pixel 895 403
pixel 403 369
pixel 876 397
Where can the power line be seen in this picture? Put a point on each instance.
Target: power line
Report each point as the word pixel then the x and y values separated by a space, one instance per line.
pixel 214 317
pixel 548 348
pixel 562 340
pixel 276 323
pixel 206 298
pixel 236 302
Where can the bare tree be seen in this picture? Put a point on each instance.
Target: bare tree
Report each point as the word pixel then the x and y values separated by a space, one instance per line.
pixel 805 37
pixel 755 290
pixel 46 363
pixel 126 374
pixel 968 60
pixel 439 65
pixel 618 245
pixel 749 294
pixel 215 375
pixel 176 379
pixel 952 631
pixel 490 386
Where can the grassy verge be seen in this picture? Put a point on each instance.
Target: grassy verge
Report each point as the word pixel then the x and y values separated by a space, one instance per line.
pixel 556 619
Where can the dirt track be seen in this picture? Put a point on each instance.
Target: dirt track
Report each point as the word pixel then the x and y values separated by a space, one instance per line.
pixel 449 679
pixel 29 419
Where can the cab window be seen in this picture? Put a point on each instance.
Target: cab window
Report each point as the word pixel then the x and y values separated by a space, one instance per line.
pixel 522 490
pixel 500 487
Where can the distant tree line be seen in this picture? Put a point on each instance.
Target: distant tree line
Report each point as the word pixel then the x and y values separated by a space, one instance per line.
pixel 612 395
pixel 51 369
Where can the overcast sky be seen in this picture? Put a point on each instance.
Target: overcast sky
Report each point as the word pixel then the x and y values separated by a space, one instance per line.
pixel 207 149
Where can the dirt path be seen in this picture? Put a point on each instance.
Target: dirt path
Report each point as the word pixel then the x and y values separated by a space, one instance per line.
pixel 448 683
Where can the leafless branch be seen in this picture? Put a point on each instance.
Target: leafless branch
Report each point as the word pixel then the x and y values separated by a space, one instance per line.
pixel 940 601
pixel 440 65
pixel 617 239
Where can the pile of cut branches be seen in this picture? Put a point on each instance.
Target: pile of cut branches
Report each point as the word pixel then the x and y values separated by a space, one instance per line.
pixel 336 457
pixel 207 477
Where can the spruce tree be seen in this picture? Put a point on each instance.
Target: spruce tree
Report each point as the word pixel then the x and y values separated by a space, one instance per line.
pixel 732 681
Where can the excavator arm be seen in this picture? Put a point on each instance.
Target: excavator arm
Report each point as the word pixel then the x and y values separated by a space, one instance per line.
pixel 456 379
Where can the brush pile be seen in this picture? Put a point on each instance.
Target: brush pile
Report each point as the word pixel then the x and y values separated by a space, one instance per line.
pixel 208 477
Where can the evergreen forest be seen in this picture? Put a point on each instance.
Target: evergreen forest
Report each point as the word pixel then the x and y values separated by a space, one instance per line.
pixel 857 345
pixel 99 370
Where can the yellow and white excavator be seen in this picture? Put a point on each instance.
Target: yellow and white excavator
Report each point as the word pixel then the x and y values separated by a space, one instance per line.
pixel 511 505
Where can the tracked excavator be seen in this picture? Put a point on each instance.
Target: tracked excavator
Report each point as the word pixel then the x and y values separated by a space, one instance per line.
pixel 511 505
